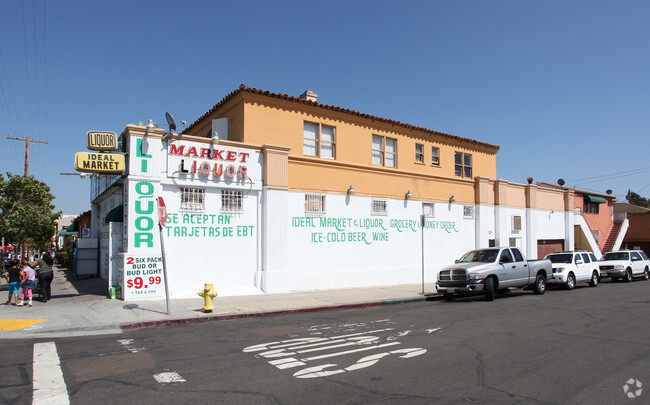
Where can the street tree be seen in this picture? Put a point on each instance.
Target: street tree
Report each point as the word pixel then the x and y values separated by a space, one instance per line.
pixel 26 211
pixel 636 199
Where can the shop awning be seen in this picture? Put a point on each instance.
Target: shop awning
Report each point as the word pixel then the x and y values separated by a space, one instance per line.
pixel 115 215
pixel 595 199
pixel 66 232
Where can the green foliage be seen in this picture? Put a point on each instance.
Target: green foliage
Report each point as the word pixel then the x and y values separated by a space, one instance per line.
pixel 65 259
pixel 636 199
pixel 26 211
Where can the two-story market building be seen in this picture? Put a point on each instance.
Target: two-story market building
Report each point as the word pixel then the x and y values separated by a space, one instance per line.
pixel 270 193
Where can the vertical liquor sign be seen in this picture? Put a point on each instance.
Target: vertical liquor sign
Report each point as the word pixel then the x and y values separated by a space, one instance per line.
pixel 143 264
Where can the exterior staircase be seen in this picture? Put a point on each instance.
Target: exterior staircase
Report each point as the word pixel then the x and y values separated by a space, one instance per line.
pixel 611 237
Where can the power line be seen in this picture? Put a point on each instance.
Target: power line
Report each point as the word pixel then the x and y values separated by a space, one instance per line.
pixel 610 176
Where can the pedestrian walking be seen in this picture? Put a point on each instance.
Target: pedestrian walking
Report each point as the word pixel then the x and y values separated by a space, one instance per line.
pixel 45 275
pixel 12 275
pixel 28 282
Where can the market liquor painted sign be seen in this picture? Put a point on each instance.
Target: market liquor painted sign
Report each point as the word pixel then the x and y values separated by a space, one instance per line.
pixel 235 166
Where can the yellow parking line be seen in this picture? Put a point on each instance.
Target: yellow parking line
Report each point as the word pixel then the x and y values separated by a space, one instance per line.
pixel 17 324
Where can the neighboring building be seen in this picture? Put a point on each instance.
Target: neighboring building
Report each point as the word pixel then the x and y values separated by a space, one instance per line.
pixel 638 233
pixel 271 193
pixel 595 227
pixel 62 224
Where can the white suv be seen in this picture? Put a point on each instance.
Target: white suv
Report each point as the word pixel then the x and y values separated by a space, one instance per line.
pixel 625 264
pixel 570 268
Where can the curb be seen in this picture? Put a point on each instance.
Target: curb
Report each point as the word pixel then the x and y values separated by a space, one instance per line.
pixel 225 317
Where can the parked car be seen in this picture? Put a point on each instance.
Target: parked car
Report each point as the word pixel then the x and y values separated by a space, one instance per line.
pixel 571 267
pixel 489 270
pixel 625 264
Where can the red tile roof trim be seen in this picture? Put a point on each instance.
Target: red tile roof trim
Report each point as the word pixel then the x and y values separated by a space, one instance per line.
pixel 246 89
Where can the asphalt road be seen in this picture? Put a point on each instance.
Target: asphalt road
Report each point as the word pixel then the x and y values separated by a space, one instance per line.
pixel 564 347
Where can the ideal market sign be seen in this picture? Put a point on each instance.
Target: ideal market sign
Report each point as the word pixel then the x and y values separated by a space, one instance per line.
pixel 106 163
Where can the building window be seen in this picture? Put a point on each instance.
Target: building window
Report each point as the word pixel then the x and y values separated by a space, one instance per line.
pixel 591 208
pixel 318 140
pixel 435 156
pixel 516 222
pixel 419 153
pixel 192 199
pixel 596 235
pixel 463 165
pixel 232 201
pixel 314 204
pixel 379 207
pixel 468 211
pixel 384 151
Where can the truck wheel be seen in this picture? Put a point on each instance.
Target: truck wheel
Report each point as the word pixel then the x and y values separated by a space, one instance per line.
pixel 539 287
pixel 448 297
pixel 489 289
pixel 594 280
pixel 628 276
pixel 570 281
pixel 646 274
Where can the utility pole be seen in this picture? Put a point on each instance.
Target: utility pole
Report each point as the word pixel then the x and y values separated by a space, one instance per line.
pixel 27 140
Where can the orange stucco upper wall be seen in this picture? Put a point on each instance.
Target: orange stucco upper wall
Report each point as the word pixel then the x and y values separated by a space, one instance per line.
pixel 261 119
pixel 271 121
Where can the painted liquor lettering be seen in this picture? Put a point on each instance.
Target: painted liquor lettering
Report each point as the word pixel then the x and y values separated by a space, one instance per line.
pixel 349 339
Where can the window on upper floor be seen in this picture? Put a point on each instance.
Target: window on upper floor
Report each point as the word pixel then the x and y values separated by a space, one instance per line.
pixel 384 151
pixel 435 156
pixel 591 207
pixel 318 140
pixel 463 165
pixel 419 153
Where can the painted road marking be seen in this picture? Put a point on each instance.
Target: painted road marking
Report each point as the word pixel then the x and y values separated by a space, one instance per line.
pixel 286 354
pixel 48 383
pixel 17 324
pixel 169 377
pixel 129 344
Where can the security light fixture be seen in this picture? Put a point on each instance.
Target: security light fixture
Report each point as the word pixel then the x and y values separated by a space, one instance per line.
pixel 150 127
pixel 351 191
pixel 452 199
pixel 408 195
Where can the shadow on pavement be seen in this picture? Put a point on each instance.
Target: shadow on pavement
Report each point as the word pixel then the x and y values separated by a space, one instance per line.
pixel 85 285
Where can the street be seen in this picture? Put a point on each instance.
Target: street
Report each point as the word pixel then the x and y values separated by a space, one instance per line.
pixel 565 347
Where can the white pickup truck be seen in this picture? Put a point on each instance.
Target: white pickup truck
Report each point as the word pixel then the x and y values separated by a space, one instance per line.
pixel 489 270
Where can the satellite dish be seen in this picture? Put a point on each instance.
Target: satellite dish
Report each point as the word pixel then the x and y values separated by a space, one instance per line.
pixel 560 182
pixel 609 192
pixel 171 122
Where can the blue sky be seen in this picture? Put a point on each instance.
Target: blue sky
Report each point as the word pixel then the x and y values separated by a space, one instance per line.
pixel 562 86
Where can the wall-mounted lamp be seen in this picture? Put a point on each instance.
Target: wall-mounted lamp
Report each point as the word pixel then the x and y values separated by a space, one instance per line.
pixel 452 199
pixel 408 195
pixel 351 191
pixel 150 127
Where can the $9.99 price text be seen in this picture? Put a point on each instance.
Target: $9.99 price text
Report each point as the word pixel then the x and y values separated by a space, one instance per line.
pixel 138 282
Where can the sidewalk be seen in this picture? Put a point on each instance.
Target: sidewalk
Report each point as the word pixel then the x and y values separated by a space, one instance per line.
pixel 80 307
